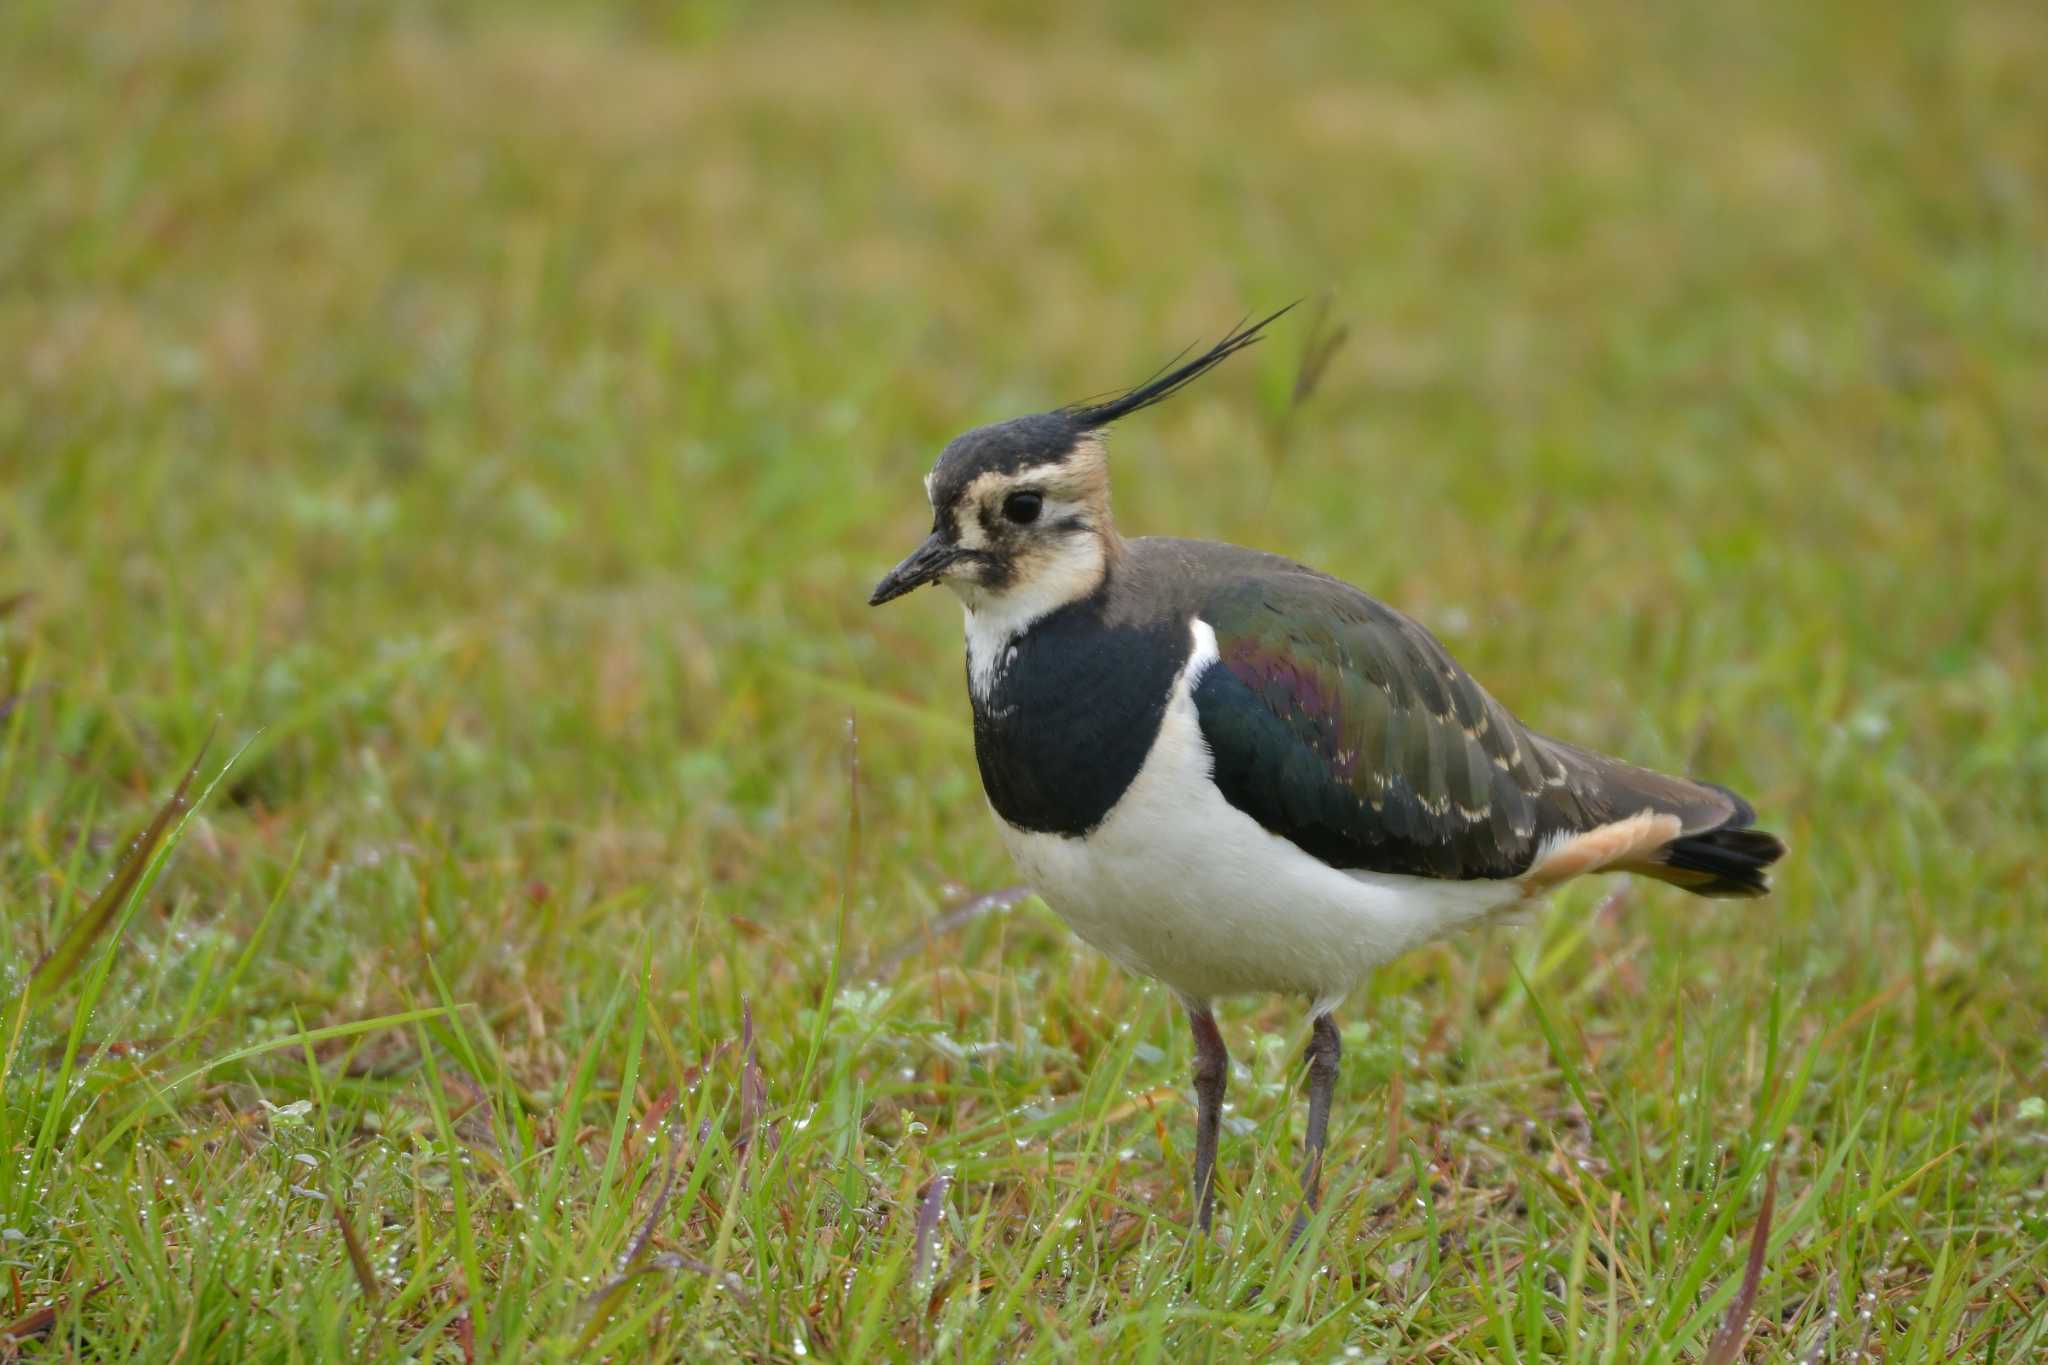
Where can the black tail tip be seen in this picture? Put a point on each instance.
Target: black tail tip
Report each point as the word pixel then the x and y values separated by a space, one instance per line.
pixel 1725 862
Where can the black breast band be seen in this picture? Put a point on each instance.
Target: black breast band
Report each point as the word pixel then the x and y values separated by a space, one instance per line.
pixel 1074 708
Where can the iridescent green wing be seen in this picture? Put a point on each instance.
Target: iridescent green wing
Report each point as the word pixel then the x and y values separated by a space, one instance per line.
pixel 1340 724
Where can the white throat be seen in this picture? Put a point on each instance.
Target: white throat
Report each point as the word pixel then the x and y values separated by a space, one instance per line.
pixel 995 620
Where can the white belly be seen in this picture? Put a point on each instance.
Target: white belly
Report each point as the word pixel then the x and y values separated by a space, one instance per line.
pixel 1180 885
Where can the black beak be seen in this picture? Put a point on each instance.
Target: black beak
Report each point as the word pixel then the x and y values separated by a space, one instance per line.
pixel 924 565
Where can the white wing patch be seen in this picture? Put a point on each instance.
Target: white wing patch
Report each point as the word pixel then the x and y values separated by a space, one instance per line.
pixel 1205 651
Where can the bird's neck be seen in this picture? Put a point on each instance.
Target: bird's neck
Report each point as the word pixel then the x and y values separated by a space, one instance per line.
pixel 1078 571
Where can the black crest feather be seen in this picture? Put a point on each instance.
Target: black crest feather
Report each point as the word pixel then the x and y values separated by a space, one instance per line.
pixel 1090 416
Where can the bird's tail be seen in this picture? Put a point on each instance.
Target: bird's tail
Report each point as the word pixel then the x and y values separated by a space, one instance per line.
pixel 1728 860
pixel 1698 836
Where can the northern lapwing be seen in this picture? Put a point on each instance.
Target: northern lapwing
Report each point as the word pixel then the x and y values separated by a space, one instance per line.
pixel 1234 774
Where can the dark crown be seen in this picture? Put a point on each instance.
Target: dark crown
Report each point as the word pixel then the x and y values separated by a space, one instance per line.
pixel 1049 437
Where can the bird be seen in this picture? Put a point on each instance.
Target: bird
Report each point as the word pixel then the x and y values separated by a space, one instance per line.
pixel 1238 775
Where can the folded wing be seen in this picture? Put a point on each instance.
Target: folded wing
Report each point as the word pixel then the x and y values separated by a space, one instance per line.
pixel 1340 724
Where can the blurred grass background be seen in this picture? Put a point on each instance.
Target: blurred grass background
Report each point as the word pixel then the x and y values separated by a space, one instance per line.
pixel 496 415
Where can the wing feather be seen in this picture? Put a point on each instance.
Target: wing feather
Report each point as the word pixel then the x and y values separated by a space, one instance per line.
pixel 1346 727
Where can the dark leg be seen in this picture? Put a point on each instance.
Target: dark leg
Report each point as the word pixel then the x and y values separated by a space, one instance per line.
pixel 1324 1051
pixel 1212 1070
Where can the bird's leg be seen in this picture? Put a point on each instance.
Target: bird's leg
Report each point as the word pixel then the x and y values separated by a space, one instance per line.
pixel 1212 1070
pixel 1324 1051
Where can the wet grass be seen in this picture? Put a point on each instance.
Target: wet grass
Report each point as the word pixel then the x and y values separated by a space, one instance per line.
pixel 491 420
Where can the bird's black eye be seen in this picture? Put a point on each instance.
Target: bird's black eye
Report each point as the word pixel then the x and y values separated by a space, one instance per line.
pixel 1022 508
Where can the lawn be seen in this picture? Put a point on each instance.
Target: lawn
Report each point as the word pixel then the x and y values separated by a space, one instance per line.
pixel 470 432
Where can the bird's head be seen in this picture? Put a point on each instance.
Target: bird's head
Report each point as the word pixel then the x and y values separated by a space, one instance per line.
pixel 1020 509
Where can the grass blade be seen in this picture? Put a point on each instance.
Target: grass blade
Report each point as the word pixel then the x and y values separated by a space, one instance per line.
pixel 358 1257
pixel 62 962
pixel 1727 1342
pixel 604 1300
pixel 37 1325
pixel 930 1210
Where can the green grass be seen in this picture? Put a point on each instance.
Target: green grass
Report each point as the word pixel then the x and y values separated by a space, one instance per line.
pixel 492 420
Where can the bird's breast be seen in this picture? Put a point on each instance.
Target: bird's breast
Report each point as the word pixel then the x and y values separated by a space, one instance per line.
pixel 1065 713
